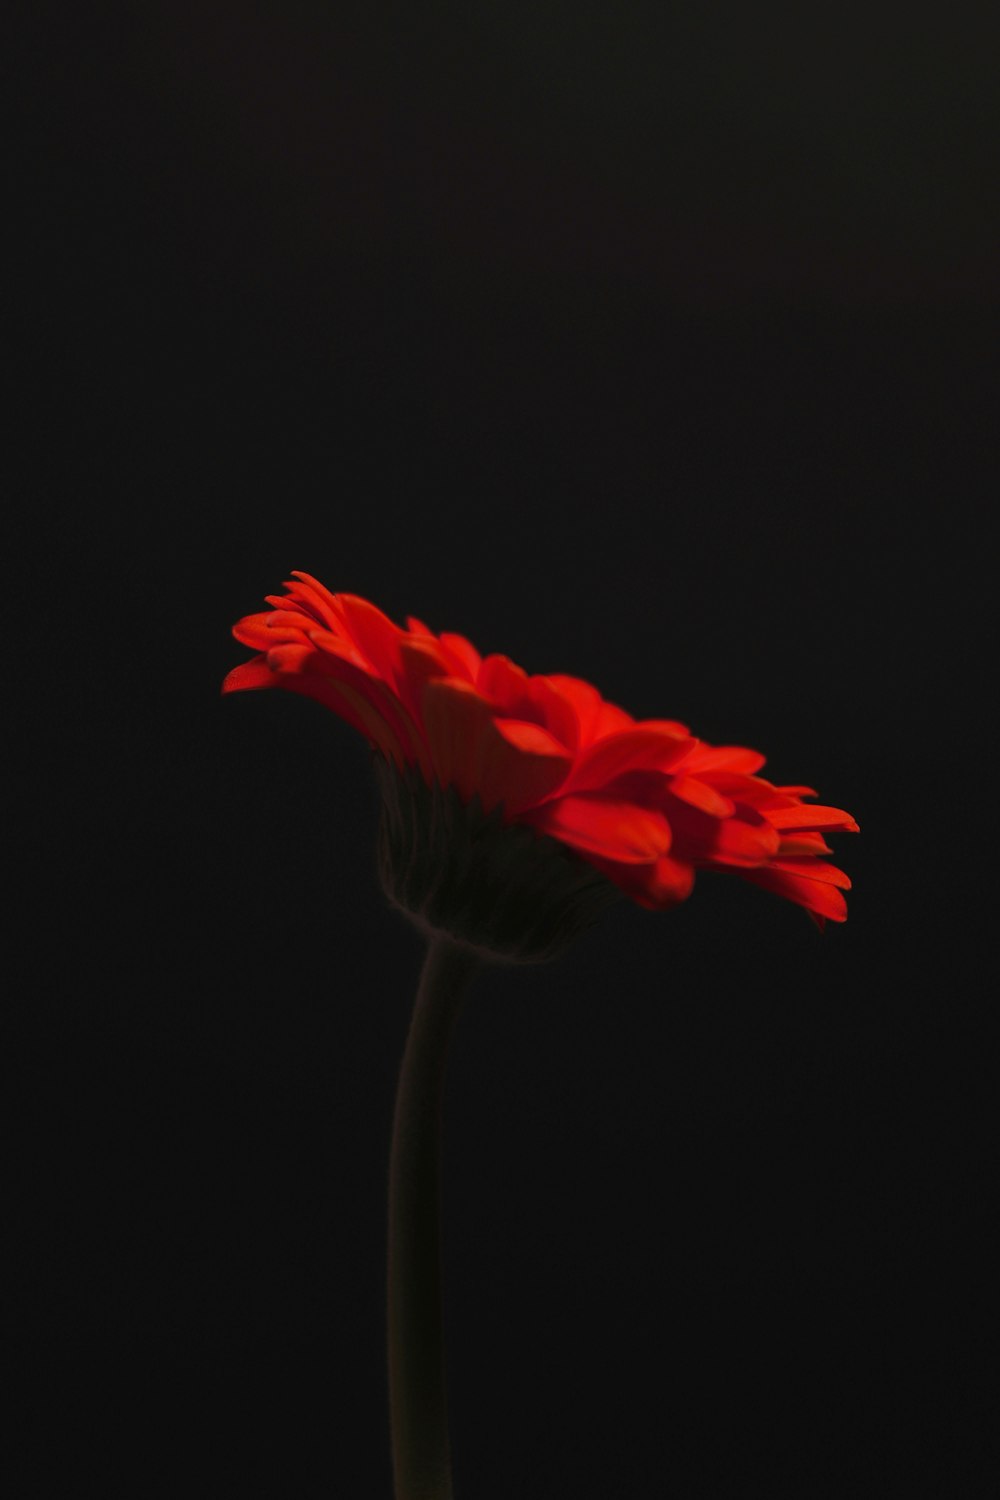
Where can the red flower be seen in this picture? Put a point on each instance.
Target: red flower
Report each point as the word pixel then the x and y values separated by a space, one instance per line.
pixel 644 802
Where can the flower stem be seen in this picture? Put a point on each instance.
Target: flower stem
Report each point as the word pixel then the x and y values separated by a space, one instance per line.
pixel 417 1397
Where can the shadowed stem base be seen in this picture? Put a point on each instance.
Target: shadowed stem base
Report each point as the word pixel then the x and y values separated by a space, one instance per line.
pixel 417 1398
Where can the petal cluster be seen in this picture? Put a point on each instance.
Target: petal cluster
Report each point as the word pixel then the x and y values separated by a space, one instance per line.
pixel 643 801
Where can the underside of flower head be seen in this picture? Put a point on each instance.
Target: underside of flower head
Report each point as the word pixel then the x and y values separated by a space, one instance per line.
pixel 643 802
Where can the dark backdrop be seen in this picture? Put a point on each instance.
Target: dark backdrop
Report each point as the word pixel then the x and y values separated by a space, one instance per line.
pixel 648 343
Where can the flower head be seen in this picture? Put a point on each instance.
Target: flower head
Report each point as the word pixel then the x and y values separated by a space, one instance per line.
pixel 642 802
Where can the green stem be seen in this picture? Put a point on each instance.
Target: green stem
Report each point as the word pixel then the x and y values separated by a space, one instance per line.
pixel 417 1397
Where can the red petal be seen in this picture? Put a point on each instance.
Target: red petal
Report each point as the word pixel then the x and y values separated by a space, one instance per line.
pixel 803 843
pixel 726 758
pixel 535 699
pixel 374 634
pixel 812 869
pixel 257 631
pixel 341 649
pixel 280 620
pixel 469 752
pixel 462 651
pixel 672 881
pixel 421 659
pixel 555 710
pixel 800 817
pixel 250 674
pixel 614 830
pixel 312 597
pixel 503 681
pixel 293 656
pixel 585 699
pixel 611 719
pixel 754 791
pixel 643 747
pixel 308 590
pixel 738 842
pixel 816 895
pixel 332 662
pixel 699 794
pixel 528 736
pixel 664 883
pixel 746 838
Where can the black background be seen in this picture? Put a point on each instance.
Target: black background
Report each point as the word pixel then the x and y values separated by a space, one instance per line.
pixel 648 343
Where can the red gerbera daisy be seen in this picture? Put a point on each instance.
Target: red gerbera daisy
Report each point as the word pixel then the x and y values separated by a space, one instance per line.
pixel 513 807
pixel 643 802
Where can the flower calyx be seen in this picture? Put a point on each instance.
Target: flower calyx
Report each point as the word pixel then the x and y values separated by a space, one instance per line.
pixel 509 893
